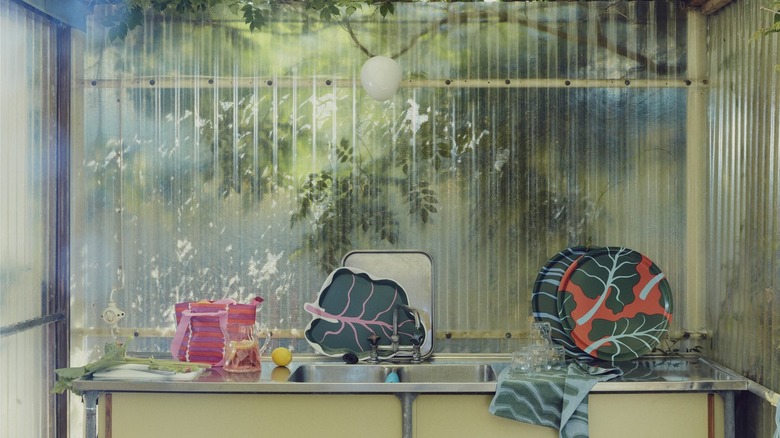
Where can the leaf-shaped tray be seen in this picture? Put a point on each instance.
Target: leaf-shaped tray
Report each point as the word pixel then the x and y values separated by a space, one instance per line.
pixel 615 304
pixel 544 297
pixel 351 306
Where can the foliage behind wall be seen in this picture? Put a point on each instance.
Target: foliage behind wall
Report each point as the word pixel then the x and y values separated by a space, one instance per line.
pixel 221 161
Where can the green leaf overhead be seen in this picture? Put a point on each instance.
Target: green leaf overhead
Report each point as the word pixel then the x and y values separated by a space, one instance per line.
pixel 128 14
pixel 774 27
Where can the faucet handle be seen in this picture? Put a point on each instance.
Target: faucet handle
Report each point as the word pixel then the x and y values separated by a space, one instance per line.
pixel 373 339
pixel 416 340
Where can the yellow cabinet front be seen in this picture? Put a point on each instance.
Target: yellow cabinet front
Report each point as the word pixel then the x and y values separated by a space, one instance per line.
pixel 678 415
pixel 151 415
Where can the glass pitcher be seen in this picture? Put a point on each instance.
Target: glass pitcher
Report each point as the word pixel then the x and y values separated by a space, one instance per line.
pixel 242 349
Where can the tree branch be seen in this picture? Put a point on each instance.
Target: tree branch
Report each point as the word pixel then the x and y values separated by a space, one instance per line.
pixel 348 27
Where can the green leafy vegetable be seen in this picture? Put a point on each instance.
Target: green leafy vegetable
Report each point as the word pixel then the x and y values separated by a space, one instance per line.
pixel 116 354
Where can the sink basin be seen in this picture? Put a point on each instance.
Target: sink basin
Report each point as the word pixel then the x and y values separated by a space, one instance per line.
pixel 446 373
pixel 422 373
pixel 340 374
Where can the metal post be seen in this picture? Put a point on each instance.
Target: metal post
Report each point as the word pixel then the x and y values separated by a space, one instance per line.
pixel 729 423
pixel 90 417
pixel 407 400
pixel 696 159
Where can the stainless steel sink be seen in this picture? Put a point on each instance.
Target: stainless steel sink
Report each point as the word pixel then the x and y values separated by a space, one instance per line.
pixel 332 373
pixel 365 373
pixel 446 373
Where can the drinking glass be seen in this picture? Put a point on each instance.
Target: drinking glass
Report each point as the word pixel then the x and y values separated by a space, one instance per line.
pixel 557 358
pixel 540 333
pixel 522 361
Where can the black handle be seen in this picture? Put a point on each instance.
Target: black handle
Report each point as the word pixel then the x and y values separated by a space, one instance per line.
pixel 350 358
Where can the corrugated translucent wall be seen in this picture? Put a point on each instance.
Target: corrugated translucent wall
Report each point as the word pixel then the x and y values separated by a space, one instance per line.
pixel 743 296
pixel 27 137
pixel 219 162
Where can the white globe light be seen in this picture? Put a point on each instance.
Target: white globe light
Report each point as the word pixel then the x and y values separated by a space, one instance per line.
pixel 380 77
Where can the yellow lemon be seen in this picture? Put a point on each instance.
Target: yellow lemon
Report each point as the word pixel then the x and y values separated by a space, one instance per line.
pixel 281 356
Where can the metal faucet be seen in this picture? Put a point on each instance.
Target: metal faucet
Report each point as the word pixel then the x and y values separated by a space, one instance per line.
pixel 415 314
pixel 394 346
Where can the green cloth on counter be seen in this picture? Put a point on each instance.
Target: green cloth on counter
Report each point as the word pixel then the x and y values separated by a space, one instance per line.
pixel 556 399
pixel 777 422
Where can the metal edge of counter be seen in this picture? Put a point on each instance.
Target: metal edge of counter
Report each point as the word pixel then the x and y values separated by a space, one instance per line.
pixel 730 382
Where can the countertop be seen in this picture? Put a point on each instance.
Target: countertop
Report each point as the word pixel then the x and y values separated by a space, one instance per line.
pixel 645 374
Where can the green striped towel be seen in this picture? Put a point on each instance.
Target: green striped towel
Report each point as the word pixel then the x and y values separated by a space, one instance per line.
pixel 556 399
pixel 777 422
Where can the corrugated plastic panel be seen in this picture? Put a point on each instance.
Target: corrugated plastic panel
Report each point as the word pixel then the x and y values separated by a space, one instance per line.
pixel 744 202
pixel 27 135
pixel 220 162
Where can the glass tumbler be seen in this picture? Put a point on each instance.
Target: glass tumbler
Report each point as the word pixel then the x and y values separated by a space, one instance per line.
pixel 522 362
pixel 541 333
pixel 557 358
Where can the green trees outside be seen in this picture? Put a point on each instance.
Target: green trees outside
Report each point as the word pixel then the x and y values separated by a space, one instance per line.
pixel 237 159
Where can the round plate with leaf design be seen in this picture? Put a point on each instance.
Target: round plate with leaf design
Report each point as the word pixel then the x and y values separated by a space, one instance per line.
pixel 544 297
pixel 615 304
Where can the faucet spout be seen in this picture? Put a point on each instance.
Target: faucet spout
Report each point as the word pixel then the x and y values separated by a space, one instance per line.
pixel 411 310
